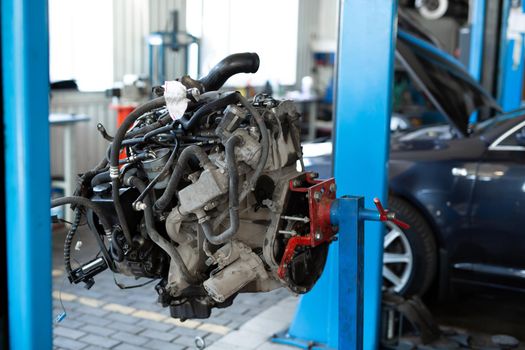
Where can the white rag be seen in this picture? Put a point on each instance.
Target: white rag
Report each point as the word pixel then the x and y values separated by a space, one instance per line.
pixel 176 100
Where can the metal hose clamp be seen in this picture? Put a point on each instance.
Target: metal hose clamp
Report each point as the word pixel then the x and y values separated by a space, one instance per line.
pixel 114 172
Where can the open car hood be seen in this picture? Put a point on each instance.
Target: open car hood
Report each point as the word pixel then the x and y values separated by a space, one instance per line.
pixel 445 82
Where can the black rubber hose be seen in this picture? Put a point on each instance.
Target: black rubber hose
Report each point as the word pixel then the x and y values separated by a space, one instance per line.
pixel 114 159
pixel 100 178
pixel 84 202
pixel 69 239
pixel 176 175
pixel 145 129
pixel 148 135
pixel 265 142
pixel 87 176
pixel 162 173
pixel 237 63
pixel 155 236
pixel 265 149
pixel 189 124
pixel 128 122
pixel 233 175
pixel 120 212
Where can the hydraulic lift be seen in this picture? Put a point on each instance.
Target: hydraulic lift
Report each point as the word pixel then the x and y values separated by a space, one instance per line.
pixel 364 82
pixel 336 317
pixel 27 176
pixel 512 58
pixel 343 317
pixel 363 107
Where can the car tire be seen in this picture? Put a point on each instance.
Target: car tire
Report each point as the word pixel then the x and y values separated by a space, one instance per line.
pixel 418 242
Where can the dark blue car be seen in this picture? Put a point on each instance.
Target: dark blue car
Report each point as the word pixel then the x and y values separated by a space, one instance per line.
pixel 459 184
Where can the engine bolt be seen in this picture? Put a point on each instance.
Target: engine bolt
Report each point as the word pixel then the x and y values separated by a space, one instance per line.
pixel 318 236
pixel 296 183
pixel 317 196
pixel 333 188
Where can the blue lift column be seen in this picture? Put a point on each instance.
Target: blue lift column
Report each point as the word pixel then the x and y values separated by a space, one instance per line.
pixel 365 61
pixel 26 93
pixel 512 54
pixel 365 69
pixel 477 23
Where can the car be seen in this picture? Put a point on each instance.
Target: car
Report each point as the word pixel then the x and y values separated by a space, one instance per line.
pixel 460 185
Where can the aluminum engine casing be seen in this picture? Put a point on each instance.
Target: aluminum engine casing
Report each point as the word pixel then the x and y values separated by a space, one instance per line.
pixel 251 265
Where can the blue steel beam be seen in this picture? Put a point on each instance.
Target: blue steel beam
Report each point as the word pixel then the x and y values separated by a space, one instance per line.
pixel 344 213
pixel 365 66
pixel 511 65
pixel 26 92
pixel 477 23
pixel 365 71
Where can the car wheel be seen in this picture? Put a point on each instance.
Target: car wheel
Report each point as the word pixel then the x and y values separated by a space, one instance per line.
pixel 410 256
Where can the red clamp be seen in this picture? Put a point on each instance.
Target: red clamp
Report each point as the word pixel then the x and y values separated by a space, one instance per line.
pixel 386 215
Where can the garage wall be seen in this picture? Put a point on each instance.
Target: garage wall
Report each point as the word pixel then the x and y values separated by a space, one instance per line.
pixel 133 20
pixel 308 27
pixel 90 146
pixel 328 21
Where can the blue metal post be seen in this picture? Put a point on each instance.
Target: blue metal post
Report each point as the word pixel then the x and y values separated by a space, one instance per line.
pixel 477 23
pixel 512 65
pixel 365 64
pixel 365 72
pixel 336 322
pixel 344 213
pixel 26 92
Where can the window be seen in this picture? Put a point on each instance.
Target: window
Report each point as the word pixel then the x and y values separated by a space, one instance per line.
pixel 267 27
pixel 510 140
pixel 81 42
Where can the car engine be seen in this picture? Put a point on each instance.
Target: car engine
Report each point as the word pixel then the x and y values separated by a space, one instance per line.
pixel 200 191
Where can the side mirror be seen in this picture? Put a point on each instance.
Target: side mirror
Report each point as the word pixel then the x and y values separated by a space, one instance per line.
pixel 520 137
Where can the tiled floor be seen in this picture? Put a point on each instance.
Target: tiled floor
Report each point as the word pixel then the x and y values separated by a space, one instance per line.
pixel 106 317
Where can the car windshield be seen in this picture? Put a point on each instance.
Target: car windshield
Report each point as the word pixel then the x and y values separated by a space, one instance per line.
pixel 496 121
pixel 452 90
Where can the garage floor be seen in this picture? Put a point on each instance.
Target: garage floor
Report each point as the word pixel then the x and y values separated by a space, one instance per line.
pixel 106 317
pixel 484 315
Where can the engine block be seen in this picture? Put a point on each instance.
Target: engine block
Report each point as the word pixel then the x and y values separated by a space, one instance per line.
pixel 211 202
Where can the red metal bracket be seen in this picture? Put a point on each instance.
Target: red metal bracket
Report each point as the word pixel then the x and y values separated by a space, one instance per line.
pixel 320 197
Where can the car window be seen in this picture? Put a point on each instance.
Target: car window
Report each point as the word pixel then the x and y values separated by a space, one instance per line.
pixel 508 141
pixel 493 123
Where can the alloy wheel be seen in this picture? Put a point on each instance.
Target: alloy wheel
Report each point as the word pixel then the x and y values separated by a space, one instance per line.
pixel 397 259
